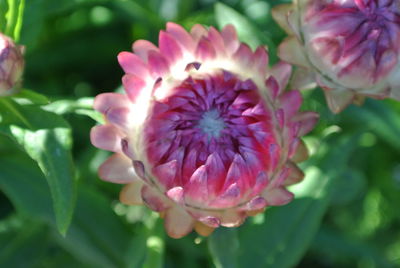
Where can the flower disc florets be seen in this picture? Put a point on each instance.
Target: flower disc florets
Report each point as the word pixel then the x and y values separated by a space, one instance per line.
pixel 11 66
pixel 205 135
pixel 353 46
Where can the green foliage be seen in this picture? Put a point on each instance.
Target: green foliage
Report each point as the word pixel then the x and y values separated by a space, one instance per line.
pixel 55 212
pixel 46 138
pixel 11 14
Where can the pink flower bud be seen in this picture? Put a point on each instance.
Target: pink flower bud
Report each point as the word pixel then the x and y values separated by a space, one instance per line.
pixel 350 47
pixel 11 66
pixel 205 135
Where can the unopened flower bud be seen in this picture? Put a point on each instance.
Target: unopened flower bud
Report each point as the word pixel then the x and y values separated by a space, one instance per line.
pixel 206 134
pixel 11 66
pixel 350 48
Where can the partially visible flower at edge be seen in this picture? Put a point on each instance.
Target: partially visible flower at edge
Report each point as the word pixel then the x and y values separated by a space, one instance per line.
pixel 206 134
pixel 11 66
pixel 350 48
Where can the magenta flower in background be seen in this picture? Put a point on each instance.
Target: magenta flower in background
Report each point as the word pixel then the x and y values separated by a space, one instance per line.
pixel 11 66
pixel 350 47
pixel 206 134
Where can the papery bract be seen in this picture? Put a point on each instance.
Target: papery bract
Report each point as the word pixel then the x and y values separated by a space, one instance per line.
pixel 206 134
pixel 351 48
pixel 11 66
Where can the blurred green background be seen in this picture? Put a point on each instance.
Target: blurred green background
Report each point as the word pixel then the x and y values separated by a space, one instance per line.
pixel 346 213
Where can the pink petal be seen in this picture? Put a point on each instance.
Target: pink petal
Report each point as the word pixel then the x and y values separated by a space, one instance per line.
pixel 154 199
pixel 196 192
pixel 261 182
pixel 280 14
pixel 231 40
pixel 181 35
pixel 165 173
pixel 176 194
pixel 338 99
pixel 244 55
pixel 216 174
pixel 301 153
pixel 216 40
pixel 210 221
pixel 307 122
pixel 256 203
pixel 133 86
pixel 260 60
pixel 105 101
pixel 158 64
pixel 295 175
pixel 131 193
pixel 205 50
pixel 117 169
pixel 303 79
pixel 106 137
pixel 291 102
pixel 290 51
pixel 119 117
pixel 169 48
pixel 132 64
pixel 229 198
pixel 238 173
pixel 273 87
pixel 127 148
pixel 232 218
pixel 198 32
pixel 142 48
pixel 282 71
pixel 178 222
pixel 278 196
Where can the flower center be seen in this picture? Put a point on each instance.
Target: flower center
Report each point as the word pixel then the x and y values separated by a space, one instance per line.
pixel 211 123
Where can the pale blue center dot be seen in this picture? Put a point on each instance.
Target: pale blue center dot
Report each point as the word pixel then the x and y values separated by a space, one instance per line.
pixel 211 123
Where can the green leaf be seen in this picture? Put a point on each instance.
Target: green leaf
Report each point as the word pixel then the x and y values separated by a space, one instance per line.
pixel 30 97
pixel 377 117
pixel 287 232
pixel 23 183
pixel 224 246
pixel 96 237
pixel 3 11
pixel 46 138
pixel 155 243
pixel 82 106
pixel 247 31
pixel 135 10
pixel 336 245
pixel 25 243
pixel 350 185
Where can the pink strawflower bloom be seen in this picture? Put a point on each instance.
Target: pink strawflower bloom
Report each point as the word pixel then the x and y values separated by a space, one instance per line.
pixel 350 47
pixel 11 66
pixel 205 134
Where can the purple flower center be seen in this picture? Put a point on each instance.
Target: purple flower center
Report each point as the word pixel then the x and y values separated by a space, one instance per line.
pixel 217 123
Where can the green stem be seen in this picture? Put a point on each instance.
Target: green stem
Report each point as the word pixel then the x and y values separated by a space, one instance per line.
pixel 14 18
